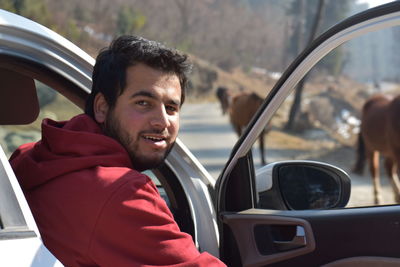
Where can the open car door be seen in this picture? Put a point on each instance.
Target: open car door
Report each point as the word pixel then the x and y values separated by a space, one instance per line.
pixel 311 226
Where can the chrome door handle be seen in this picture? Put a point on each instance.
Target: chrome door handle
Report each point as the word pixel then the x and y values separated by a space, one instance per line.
pixel 298 241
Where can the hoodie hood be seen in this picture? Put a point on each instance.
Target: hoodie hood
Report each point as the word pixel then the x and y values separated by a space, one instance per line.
pixel 67 147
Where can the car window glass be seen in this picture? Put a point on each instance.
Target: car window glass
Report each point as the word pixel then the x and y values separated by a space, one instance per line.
pixel 327 125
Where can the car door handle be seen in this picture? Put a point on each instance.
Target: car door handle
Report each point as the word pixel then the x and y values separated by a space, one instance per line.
pixel 298 241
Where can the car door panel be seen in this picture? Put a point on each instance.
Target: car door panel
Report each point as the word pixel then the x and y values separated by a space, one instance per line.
pixel 365 262
pixel 266 239
pixel 329 235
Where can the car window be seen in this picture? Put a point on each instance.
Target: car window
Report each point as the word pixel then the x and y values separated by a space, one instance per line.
pixel 327 126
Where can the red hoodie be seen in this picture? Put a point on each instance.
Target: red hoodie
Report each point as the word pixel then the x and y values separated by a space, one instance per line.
pixel 92 208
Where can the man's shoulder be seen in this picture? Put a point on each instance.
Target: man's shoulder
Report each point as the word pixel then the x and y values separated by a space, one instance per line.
pixel 115 177
pixel 22 149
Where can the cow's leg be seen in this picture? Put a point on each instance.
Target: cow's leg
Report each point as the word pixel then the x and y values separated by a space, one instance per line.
pixel 373 159
pixel 391 170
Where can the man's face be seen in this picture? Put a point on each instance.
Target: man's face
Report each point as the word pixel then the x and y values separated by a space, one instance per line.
pixel 145 119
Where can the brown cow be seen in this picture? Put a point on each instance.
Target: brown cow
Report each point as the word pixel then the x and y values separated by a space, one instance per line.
pixel 224 97
pixel 380 134
pixel 241 108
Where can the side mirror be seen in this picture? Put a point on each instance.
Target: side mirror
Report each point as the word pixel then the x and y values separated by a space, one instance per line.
pixel 302 185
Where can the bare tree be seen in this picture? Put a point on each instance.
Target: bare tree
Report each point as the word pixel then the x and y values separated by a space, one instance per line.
pixel 233 33
pixel 295 108
pixel 183 8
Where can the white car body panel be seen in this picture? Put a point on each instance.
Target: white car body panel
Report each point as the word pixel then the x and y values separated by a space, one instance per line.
pixel 26 252
pixel 23 251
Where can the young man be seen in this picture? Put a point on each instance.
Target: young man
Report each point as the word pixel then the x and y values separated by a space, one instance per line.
pixel 82 181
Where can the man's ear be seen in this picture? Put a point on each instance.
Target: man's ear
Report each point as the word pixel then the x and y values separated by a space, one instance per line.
pixel 100 108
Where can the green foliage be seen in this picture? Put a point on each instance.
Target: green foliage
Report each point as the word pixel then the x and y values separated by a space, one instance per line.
pixel 36 10
pixel 129 20
pixel 81 14
pixel 7 5
pixel 185 45
pixel 73 32
pixel 18 5
pixel 15 6
pixel 33 9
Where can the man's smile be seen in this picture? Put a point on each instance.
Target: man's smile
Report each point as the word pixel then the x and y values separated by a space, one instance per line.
pixel 156 139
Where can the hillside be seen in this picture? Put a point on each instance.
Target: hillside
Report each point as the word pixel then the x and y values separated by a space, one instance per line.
pixel 206 77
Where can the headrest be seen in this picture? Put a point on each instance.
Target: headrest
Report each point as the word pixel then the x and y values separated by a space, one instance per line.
pixel 18 99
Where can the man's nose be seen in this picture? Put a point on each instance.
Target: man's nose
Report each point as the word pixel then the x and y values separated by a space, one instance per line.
pixel 160 118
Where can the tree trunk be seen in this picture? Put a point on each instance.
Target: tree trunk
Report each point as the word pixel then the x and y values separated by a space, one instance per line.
pixel 295 108
pixel 183 7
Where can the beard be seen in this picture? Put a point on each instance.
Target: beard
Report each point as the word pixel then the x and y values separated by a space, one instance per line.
pixel 112 128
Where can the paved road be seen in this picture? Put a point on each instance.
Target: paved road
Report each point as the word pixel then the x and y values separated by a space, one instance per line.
pixel 210 137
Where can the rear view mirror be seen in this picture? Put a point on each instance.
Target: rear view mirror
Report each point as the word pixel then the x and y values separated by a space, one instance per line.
pixel 302 185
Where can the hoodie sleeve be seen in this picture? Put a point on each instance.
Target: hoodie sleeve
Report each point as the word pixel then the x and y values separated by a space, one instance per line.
pixel 136 228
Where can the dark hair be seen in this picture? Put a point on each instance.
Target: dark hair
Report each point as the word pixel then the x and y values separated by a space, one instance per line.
pixel 109 73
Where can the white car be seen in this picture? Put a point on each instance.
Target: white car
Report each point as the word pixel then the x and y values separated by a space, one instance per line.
pixel 246 217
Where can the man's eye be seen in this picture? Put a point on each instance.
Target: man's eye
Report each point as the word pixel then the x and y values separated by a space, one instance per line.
pixel 171 108
pixel 142 103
